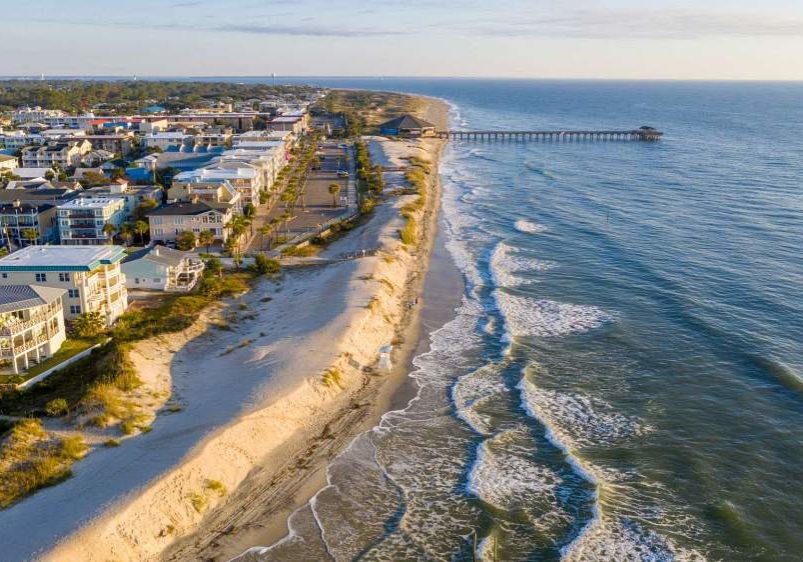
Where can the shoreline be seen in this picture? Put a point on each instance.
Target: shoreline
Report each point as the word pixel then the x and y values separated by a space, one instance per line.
pixel 287 428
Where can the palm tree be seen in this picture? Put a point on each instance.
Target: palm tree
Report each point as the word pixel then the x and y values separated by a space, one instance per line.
pixel 334 189
pixel 206 238
pixel 141 227
pixel 109 229
pixel 30 234
pixel 127 232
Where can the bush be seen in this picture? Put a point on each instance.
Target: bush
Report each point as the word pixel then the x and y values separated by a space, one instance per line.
pixel 198 501
pixel 56 407
pixel 216 486
pixel 265 265
pixel 409 234
pixel 88 325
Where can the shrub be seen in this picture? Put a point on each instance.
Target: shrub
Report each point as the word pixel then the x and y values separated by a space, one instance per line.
pixel 197 501
pixel 56 407
pixel 88 325
pixel 111 443
pixel 216 486
pixel 73 447
pixel 332 377
pixel 409 234
pixel 265 265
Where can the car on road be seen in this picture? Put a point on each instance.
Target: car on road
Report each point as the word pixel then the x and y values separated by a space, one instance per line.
pixel 344 146
pixel 342 174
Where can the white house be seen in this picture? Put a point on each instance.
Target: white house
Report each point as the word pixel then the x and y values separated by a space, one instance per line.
pixel 31 324
pixel 163 269
pixel 166 223
pixel 64 154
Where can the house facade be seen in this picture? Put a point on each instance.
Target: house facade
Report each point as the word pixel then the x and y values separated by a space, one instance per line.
pixel 31 324
pixel 91 275
pixel 166 223
pixel 163 269
pixel 25 224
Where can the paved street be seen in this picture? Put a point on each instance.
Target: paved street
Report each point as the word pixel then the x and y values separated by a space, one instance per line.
pixel 317 208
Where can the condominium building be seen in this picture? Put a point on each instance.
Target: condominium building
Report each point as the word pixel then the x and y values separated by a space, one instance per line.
pixel 244 178
pixel 166 223
pixel 82 220
pixel 31 324
pixel 64 154
pixel 8 163
pixel 90 274
pixel 25 224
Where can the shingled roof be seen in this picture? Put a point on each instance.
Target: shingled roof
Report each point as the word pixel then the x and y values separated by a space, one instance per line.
pixel 407 122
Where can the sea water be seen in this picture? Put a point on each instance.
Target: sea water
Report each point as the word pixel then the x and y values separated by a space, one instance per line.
pixel 623 378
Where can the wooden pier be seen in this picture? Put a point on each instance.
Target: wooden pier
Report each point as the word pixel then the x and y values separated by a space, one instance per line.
pixel 642 134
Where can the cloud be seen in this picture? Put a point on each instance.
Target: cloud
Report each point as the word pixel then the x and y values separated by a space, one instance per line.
pixel 640 24
pixel 333 30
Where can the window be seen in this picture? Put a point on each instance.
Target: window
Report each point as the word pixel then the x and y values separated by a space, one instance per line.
pixel 73 293
pixel 157 280
pixel 5 276
pixel 40 277
pixel 64 277
pixel 75 309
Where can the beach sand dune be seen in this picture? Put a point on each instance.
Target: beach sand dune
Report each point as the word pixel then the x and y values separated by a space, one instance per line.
pixel 272 384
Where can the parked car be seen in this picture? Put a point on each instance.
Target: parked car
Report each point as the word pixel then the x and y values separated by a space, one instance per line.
pixel 342 174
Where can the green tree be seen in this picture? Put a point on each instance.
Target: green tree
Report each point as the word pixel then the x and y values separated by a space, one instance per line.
pixel 109 229
pixel 249 210
pixel 88 325
pixel 214 267
pixel 206 238
pixel 265 265
pixel 334 190
pixel 141 228
pixel 127 233
pixel 186 240
pixel 30 234
pixel 147 204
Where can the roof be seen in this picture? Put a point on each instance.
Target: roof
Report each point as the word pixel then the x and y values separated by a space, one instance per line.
pixel 184 208
pixel 162 255
pixel 7 208
pixel 30 172
pixel 92 202
pixel 18 297
pixel 36 195
pixel 61 258
pixel 7 157
pixel 406 122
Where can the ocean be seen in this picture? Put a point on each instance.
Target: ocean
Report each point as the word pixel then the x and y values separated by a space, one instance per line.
pixel 623 377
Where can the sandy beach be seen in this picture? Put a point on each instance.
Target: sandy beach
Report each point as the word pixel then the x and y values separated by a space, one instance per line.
pixel 269 386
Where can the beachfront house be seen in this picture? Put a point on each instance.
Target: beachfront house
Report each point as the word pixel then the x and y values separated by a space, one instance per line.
pixel 166 223
pixel 25 224
pixel 407 126
pixel 91 276
pixel 163 269
pixel 31 325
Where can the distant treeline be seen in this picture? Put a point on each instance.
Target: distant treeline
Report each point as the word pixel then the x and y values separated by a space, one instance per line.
pixel 364 109
pixel 82 95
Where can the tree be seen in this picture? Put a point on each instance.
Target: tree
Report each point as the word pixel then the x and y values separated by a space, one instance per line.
pixel 186 240
pixel 249 210
pixel 206 238
pixel 30 234
pixel 141 228
pixel 92 179
pixel 118 173
pixel 127 232
pixel 88 325
pixel 214 267
pixel 147 204
pixel 334 189
pixel 109 229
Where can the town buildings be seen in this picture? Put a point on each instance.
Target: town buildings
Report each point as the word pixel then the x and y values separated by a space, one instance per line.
pixel 63 154
pixel 91 276
pixel 168 222
pixel 83 221
pixel 29 223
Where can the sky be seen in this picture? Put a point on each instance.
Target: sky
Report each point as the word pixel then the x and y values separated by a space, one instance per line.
pixel 613 39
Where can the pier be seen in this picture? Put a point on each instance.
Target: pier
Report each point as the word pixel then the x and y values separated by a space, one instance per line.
pixel 641 134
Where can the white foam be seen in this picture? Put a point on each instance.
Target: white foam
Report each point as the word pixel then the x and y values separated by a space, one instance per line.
pixel 526 316
pixel 474 389
pixel 529 227
pixel 505 263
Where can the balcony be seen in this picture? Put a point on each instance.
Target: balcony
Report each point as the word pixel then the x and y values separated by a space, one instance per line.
pixel 14 328
pixel 14 350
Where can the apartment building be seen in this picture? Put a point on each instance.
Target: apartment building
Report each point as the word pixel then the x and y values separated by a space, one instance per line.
pixel 165 140
pixel 25 224
pixel 91 276
pixel 31 324
pixel 15 140
pixel 64 154
pixel 167 222
pixel 245 178
pixel 82 220
pixel 35 114
pixel 8 163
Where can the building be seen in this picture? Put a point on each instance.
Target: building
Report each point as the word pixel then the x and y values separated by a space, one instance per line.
pixel 165 140
pixel 34 114
pixel 63 154
pixel 25 224
pixel 288 123
pixel 82 220
pixel 132 195
pixel 163 269
pixel 120 144
pixel 31 173
pixel 15 140
pixel 167 222
pixel 90 274
pixel 8 163
pixel 31 324
pixel 407 126
pixel 45 193
pixel 244 178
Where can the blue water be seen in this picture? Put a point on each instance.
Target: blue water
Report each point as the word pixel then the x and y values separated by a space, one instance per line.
pixel 624 377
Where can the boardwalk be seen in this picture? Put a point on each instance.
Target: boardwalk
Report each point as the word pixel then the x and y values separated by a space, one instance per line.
pixel 642 134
